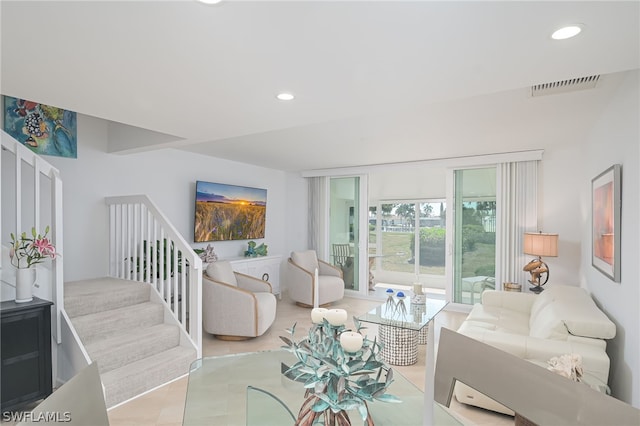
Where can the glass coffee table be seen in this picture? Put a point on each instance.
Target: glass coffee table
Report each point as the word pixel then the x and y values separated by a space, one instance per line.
pixel 401 326
pixel 249 389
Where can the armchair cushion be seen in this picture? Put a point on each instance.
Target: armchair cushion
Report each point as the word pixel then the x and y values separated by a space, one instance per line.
pixel 307 260
pixel 253 284
pixel 325 268
pixel 223 272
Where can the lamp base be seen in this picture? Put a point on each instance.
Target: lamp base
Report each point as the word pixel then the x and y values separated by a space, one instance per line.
pixel 536 289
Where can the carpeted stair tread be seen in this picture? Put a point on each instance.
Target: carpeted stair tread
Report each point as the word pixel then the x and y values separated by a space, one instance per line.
pixel 132 345
pixel 102 294
pixel 132 379
pixel 126 333
pixel 105 324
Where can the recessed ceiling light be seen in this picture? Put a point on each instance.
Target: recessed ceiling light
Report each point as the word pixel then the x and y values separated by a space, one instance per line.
pixel 210 1
pixel 566 32
pixel 285 96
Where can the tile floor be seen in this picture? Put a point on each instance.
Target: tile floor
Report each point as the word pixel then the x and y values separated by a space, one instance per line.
pixel 164 406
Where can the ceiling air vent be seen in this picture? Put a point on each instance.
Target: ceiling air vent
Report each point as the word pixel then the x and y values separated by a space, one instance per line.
pixel 565 86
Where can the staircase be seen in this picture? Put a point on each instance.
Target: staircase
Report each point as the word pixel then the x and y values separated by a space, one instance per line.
pixel 137 346
pixel 140 334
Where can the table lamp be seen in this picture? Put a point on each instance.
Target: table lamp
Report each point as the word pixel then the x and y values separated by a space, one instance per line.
pixel 539 244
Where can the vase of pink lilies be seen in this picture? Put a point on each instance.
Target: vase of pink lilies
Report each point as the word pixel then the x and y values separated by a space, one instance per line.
pixel 26 252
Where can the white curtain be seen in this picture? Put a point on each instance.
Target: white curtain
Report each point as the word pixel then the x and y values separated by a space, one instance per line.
pixel 318 214
pixel 517 213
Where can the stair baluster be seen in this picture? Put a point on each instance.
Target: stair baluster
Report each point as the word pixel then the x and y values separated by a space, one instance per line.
pixel 144 246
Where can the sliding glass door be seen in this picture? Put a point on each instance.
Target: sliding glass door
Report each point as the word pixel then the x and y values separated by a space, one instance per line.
pixel 344 228
pixel 474 233
pixel 407 242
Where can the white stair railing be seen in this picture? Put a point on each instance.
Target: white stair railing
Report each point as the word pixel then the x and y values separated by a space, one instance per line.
pixel 25 182
pixel 144 246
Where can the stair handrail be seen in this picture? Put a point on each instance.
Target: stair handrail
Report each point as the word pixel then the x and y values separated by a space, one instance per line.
pixel 141 240
pixel 40 166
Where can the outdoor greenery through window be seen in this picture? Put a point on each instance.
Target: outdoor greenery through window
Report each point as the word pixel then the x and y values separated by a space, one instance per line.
pixel 474 234
pixel 408 239
pixel 479 238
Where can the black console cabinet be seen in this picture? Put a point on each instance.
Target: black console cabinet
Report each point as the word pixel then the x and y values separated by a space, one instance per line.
pixel 25 351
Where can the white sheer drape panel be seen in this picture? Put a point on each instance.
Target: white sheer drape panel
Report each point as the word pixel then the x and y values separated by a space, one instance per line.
pixel 517 213
pixel 317 214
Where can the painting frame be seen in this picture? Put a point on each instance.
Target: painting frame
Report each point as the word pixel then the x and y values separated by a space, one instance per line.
pixel 606 208
pixel 44 129
pixel 225 212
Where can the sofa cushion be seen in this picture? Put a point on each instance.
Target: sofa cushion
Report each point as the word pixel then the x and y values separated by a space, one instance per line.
pixel 586 320
pixel 548 323
pixel 222 271
pixel 515 301
pixel 567 309
pixel 499 319
pixel 542 300
pixel 307 260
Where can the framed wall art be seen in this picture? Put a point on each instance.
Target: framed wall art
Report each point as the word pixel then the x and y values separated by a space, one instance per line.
pixel 606 203
pixel 229 212
pixel 46 130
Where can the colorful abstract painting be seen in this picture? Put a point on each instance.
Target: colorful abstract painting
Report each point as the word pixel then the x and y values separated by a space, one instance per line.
pixel 45 129
pixel 229 212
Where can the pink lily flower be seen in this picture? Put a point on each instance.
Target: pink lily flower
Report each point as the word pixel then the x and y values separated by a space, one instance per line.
pixel 45 248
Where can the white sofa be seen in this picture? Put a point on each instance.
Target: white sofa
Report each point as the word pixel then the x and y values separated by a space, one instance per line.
pixel 560 320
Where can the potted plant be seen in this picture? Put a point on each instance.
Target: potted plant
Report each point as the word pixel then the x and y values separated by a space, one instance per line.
pixel 26 252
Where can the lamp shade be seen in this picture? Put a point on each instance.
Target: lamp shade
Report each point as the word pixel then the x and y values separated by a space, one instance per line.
pixel 539 244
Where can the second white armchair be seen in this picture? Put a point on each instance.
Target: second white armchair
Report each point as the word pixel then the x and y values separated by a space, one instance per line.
pixel 301 279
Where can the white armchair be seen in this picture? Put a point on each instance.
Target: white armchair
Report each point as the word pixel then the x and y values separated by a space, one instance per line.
pixel 235 306
pixel 301 280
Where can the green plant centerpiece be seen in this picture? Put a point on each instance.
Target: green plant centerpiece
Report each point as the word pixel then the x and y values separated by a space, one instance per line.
pixel 341 370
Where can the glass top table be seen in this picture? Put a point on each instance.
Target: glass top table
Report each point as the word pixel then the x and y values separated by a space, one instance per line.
pixel 401 326
pixel 402 313
pixel 222 391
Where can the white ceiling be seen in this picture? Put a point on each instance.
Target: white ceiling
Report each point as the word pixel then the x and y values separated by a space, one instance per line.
pixel 375 82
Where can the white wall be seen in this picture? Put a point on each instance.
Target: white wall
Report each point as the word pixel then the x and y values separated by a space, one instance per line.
pixel 559 208
pixel 168 177
pixel 615 140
